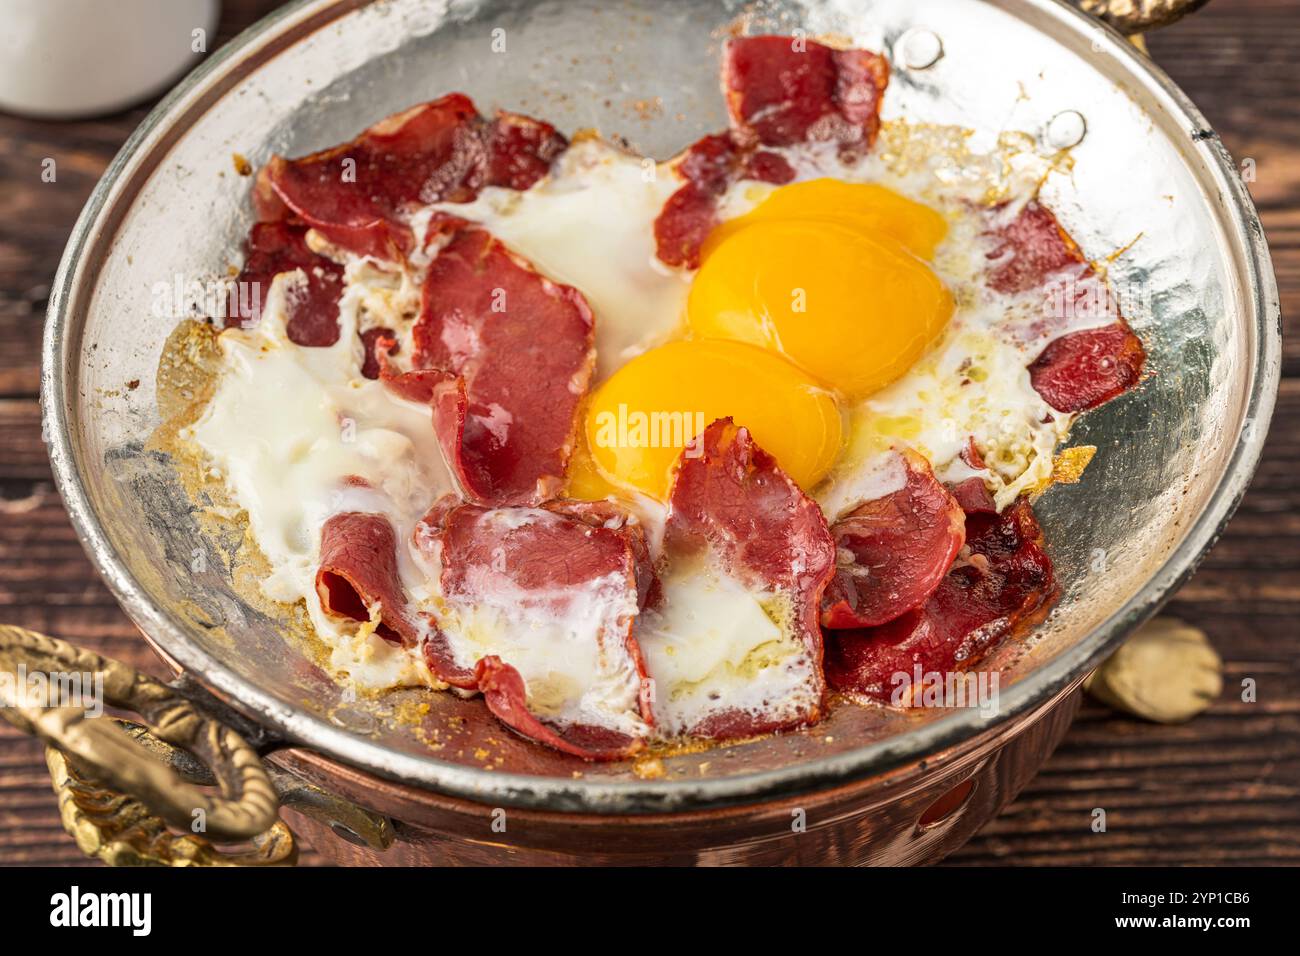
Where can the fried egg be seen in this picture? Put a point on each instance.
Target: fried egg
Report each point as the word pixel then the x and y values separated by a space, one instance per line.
pixel 646 415
pixel 833 276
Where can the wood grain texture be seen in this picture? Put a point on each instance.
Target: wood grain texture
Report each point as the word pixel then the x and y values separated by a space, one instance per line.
pixel 1224 788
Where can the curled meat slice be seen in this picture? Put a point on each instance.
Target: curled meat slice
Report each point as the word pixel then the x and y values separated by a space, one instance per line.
pixel 785 90
pixel 511 355
pixel 733 646
pixel 892 552
pixel 538 604
pixel 1002 578
pixel 357 576
pixel 1080 369
pixel 359 195
pixel 273 248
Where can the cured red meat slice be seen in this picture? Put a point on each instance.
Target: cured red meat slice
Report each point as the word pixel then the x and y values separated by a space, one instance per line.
pixel 973 497
pixel 741 538
pixel 606 514
pixel 785 90
pixel 1081 370
pixel 273 248
pixel 894 551
pixel 1003 576
pixel 1078 370
pixel 780 91
pixel 357 194
pixel 733 499
pixel 518 354
pixel 506 695
pixel 539 604
pixel 1029 249
pixel 358 575
pixel 371 342
pixel 709 166
pixel 520 150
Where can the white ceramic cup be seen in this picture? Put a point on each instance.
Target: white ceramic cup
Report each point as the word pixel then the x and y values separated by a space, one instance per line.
pixel 63 59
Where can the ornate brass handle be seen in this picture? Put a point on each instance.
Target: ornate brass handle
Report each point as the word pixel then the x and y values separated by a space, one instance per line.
pixel 93 761
pixel 122 831
pixel 1133 17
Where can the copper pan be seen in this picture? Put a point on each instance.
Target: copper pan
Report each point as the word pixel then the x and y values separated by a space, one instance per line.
pixel 1174 456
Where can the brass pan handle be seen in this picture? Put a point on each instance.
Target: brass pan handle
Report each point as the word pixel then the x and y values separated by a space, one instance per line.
pixel 94 761
pixel 1135 17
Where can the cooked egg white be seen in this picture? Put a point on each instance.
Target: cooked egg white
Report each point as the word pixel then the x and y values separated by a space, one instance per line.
pixel 285 430
pixel 714 645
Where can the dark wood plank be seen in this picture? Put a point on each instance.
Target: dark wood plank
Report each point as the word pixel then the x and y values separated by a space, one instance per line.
pixel 1224 788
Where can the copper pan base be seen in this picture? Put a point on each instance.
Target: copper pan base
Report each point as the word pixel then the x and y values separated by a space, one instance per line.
pixel 914 815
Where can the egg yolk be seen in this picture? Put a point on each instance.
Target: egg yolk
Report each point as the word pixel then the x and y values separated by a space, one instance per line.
pixel 642 418
pixel 846 302
pixel 865 206
pixel 585 482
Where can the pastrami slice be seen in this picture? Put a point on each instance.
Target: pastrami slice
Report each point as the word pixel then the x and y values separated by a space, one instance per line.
pixel 785 90
pixel 1081 370
pixel 358 195
pixel 1002 577
pixel 540 605
pixel 733 648
pixel 519 354
pixel 893 551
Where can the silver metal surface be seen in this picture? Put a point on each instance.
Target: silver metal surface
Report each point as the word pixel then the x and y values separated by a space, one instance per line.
pixel 1066 129
pixel 918 49
pixel 1174 456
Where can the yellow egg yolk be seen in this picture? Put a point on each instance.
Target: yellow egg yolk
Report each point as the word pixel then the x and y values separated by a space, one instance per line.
pixel 864 206
pixel 585 482
pixel 843 300
pixel 642 419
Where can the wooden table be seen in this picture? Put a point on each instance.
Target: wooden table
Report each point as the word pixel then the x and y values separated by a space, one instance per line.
pixel 1223 789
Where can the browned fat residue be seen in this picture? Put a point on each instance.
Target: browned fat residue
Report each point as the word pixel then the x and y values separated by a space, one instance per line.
pixel 649 768
pixel 188 370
